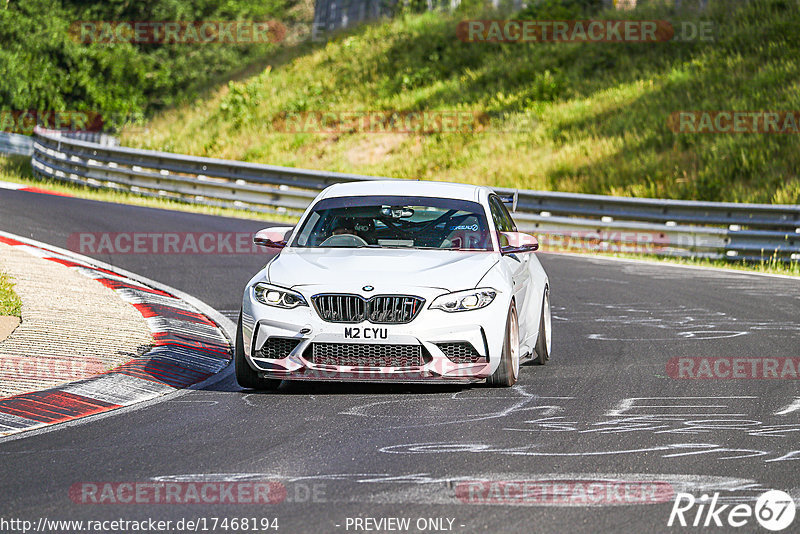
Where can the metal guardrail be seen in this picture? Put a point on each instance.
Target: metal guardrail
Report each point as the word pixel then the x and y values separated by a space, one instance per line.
pixel 22 145
pixel 14 144
pixel 562 220
pixel 90 136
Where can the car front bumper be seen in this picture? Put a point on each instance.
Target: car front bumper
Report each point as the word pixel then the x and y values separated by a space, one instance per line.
pixel 482 329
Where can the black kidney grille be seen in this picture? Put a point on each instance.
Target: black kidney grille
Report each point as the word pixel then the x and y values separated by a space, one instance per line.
pixel 461 352
pixel 393 309
pixel 364 355
pixel 340 308
pixel 381 309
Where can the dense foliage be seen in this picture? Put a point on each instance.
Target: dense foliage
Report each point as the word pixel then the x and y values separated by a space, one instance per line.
pixel 46 68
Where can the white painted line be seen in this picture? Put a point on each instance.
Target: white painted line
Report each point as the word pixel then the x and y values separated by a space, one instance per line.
pixel 11 185
pixel 793 407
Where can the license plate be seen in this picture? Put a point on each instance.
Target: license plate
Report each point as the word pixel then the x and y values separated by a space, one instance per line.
pixel 367 332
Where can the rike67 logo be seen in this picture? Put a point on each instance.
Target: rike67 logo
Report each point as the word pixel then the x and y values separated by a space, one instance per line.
pixel 774 510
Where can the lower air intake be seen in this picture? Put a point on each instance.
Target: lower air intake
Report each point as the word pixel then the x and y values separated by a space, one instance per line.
pixel 462 352
pixel 278 347
pixel 365 355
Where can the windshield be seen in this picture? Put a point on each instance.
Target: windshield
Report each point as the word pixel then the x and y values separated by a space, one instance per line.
pixel 395 222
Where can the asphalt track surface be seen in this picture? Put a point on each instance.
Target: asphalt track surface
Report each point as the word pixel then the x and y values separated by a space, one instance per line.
pixel 604 406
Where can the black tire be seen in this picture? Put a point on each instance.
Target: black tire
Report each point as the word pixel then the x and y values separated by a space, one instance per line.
pixel 507 372
pixel 542 349
pixel 246 376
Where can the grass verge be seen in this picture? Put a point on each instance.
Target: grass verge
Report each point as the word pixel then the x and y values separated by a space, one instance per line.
pixel 10 304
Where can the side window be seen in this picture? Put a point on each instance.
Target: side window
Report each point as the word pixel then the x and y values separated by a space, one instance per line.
pixel 502 220
pixel 507 216
pixel 498 220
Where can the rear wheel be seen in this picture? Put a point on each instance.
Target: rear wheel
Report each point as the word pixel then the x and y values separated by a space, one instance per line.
pixel 508 371
pixel 246 376
pixel 544 341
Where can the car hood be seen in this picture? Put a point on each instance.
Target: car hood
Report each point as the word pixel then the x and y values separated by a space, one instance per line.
pixel 385 269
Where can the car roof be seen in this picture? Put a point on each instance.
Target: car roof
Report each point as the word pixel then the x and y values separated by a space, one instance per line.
pixel 419 188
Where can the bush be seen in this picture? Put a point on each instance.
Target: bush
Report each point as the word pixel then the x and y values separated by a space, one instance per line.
pixel 45 69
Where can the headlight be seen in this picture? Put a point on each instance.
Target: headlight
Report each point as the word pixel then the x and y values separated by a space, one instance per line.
pixel 471 299
pixel 278 296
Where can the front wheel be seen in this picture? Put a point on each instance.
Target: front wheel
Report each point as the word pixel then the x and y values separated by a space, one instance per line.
pixel 544 341
pixel 246 376
pixel 508 371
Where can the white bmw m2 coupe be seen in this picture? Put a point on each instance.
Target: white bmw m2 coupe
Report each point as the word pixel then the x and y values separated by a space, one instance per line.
pixel 395 281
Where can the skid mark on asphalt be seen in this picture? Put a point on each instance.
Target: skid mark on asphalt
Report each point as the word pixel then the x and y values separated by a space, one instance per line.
pixel 461 407
pixel 672 415
pixel 204 402
pixel 541 489
pixel 743 283
pixel 679 323
pixel 594 280
pixel 701 335
pixel 715 420
pixel 717 452
pixel 656 415
pixel 656 406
